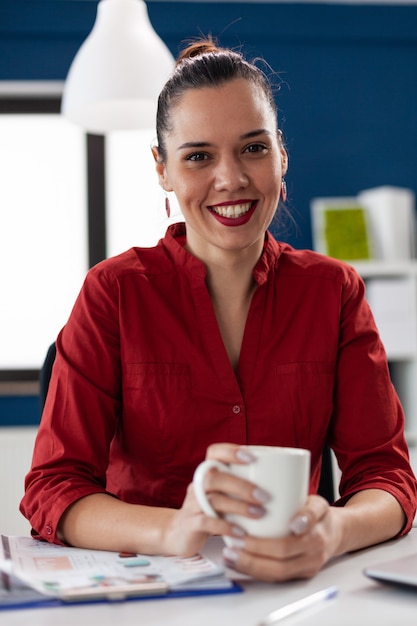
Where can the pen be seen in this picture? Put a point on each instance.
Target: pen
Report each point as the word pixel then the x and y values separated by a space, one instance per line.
pixel 299 605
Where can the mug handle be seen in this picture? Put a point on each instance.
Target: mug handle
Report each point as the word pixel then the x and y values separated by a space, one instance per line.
pixel 198 482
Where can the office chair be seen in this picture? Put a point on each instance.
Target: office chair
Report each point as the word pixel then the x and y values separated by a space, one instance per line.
pixel 326 485
pixel 45 374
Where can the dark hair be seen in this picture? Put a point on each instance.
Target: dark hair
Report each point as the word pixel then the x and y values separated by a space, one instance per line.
pixel 204 64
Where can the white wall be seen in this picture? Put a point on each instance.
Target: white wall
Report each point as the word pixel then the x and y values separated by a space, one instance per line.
pixel 16 445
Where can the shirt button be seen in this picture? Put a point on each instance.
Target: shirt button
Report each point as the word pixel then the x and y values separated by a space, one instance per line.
pixel 48 530
pixel 236 409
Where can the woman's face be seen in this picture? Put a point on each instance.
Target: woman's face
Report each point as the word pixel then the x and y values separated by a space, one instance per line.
pixel 225 165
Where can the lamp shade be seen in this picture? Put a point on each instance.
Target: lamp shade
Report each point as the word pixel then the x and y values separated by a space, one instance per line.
pixel 117 74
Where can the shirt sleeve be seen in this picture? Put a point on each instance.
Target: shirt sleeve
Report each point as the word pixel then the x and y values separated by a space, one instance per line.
pixel 367 432
pixel 81 411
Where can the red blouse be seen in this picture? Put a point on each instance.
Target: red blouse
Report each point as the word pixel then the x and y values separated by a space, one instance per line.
pixel 142 383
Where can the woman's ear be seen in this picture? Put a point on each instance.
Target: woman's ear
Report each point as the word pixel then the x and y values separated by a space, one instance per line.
pixel 284 160
pixel 284 155
pixel 161 171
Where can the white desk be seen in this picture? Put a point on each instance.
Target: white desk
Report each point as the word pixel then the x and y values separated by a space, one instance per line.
pixel 360 601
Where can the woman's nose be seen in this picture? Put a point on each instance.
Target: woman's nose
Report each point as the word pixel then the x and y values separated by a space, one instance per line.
pixel 230 175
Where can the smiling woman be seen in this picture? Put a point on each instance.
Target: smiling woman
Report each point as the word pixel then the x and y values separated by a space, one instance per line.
pixel 217 338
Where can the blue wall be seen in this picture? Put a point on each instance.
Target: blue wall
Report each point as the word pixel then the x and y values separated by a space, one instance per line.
pixel 19 410
pixel 348 74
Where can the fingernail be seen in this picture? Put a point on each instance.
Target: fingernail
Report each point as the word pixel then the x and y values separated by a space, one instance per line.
pixel 230 555
pixel 245 455
pixel 235 544
pixel 237 531
pixel 299 525
pixel 261 495
pixel 258 511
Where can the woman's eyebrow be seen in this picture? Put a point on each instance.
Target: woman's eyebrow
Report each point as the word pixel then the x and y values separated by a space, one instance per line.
pixel 194 144
pixel 206 144
pixel 255 133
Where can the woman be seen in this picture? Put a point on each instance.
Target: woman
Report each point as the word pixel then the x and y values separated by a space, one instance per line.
pixel 217 338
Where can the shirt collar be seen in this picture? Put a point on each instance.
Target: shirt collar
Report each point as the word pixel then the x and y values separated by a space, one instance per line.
pixel 174 242
pixel 268 259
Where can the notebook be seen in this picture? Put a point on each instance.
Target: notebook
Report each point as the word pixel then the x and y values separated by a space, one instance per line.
pixel 400 571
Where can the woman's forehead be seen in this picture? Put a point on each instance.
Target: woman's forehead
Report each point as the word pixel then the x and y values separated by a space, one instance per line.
pixel 237 102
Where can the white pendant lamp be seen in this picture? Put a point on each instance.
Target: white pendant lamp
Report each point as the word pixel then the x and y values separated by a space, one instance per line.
pixel 117 74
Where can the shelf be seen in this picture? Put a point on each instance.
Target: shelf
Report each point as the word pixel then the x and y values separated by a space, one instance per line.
pixel 375 269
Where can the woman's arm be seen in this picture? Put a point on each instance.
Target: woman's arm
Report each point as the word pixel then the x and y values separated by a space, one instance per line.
pixel 369 517
pixel 100 521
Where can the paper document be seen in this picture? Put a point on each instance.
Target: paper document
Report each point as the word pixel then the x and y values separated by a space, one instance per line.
pixel 75 574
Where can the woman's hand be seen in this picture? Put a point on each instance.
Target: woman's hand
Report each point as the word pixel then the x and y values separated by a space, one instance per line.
pixel 319 532
pixel 189 527
pixel 314 538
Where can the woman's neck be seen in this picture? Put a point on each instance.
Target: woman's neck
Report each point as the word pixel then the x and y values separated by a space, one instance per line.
pixel 232 283
pixel 229 271
pixel 231 287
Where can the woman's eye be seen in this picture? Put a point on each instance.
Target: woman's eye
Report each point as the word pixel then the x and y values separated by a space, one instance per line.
pixel 197 156
pixel 255 148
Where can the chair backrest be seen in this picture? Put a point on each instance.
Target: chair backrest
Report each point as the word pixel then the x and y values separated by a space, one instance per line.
pixel 326 486
pixel 45 374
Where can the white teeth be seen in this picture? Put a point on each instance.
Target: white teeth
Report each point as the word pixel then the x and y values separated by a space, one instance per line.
pixel 233 210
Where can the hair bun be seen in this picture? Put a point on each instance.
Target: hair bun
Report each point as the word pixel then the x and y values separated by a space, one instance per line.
pixel 197 48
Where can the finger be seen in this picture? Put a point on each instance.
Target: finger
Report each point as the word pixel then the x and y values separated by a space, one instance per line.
pixel 225 506
pixel 218 526
pixel 199 524
pixel 304 535
pixel 282 548
pixel 268 569
pixel 309 515
pixel 240 491
pixel 277 559
pixel 230 453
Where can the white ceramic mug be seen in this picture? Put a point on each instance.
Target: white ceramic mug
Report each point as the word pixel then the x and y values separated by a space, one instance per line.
pixel 284 473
